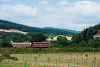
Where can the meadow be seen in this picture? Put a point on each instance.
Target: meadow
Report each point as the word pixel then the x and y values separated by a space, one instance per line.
pixel 85 59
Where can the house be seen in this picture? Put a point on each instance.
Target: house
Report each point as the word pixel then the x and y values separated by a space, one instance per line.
pixel 52 38
pixel 41 44
pixel 69 38
pixel 97 35
pixel 21 45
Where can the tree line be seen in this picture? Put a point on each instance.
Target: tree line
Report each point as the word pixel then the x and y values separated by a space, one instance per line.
pixel 81 41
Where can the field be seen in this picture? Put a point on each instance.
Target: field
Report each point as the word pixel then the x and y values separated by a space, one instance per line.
pixel 86 59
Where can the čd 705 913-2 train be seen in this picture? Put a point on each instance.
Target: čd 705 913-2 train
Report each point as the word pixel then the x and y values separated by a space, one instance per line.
pixel 31 45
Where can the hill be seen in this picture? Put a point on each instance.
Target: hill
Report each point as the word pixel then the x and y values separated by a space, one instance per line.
pixel 86 34
pixel 13 31
pixel 54 31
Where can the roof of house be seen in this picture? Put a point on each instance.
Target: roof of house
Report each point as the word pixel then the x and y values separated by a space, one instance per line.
pixel 97 32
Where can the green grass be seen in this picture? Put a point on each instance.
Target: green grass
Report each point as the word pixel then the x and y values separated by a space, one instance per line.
pixel 42 50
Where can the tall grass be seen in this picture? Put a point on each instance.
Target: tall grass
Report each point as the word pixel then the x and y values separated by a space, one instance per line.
pixel 54 60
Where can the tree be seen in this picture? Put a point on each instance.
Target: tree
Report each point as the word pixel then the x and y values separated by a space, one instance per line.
pixel 38 37
pixel 62 41
pixel 94 43
pixel 5 41
pixel 75 39
pixel 1 43
pixel 83 44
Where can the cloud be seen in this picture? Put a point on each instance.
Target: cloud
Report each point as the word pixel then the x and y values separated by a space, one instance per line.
pixel 78 27
pixel 5 1
pixel 43 2
pixel 87 10
pixel 59 22
pixel 63 14
pixel 63 3
pixel 18 11
pixel 82 14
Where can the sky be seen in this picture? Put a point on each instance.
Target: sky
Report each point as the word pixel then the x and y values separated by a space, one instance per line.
pixel 65 14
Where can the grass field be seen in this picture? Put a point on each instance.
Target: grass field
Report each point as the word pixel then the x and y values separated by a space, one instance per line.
pixel 91 59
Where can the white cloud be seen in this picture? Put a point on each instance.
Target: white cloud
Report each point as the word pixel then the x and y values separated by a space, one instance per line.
pixel 43 2
pixel 87 9
pixel 59 22
pixel 78 27
pixel 18 11
pixel 2 14
pixel 79 15
pixel 63 3
pixel 82 13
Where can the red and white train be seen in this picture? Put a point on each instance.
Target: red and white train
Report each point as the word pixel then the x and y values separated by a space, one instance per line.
pixel 31 45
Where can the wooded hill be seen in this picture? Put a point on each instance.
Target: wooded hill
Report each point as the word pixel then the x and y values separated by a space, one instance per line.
pixel 86 34
pixel 54 31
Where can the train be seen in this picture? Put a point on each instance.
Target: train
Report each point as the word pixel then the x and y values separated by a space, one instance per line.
pixel 31 45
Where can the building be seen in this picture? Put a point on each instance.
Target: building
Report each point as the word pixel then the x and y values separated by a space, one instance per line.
pixel 41 44
pixel 97 35
pixel 69 38
pixel 52 38
pixel 21 45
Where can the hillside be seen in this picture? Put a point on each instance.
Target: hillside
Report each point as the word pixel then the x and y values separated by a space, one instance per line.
pixel 13 31
pixel 54 31
pixel 89 32
pixel 86 34
pixel 11 25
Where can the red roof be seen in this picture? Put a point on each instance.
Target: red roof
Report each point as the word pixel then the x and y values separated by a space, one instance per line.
pixel 97 32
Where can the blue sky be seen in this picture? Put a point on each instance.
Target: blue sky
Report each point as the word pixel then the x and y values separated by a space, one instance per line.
pixel 67 14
